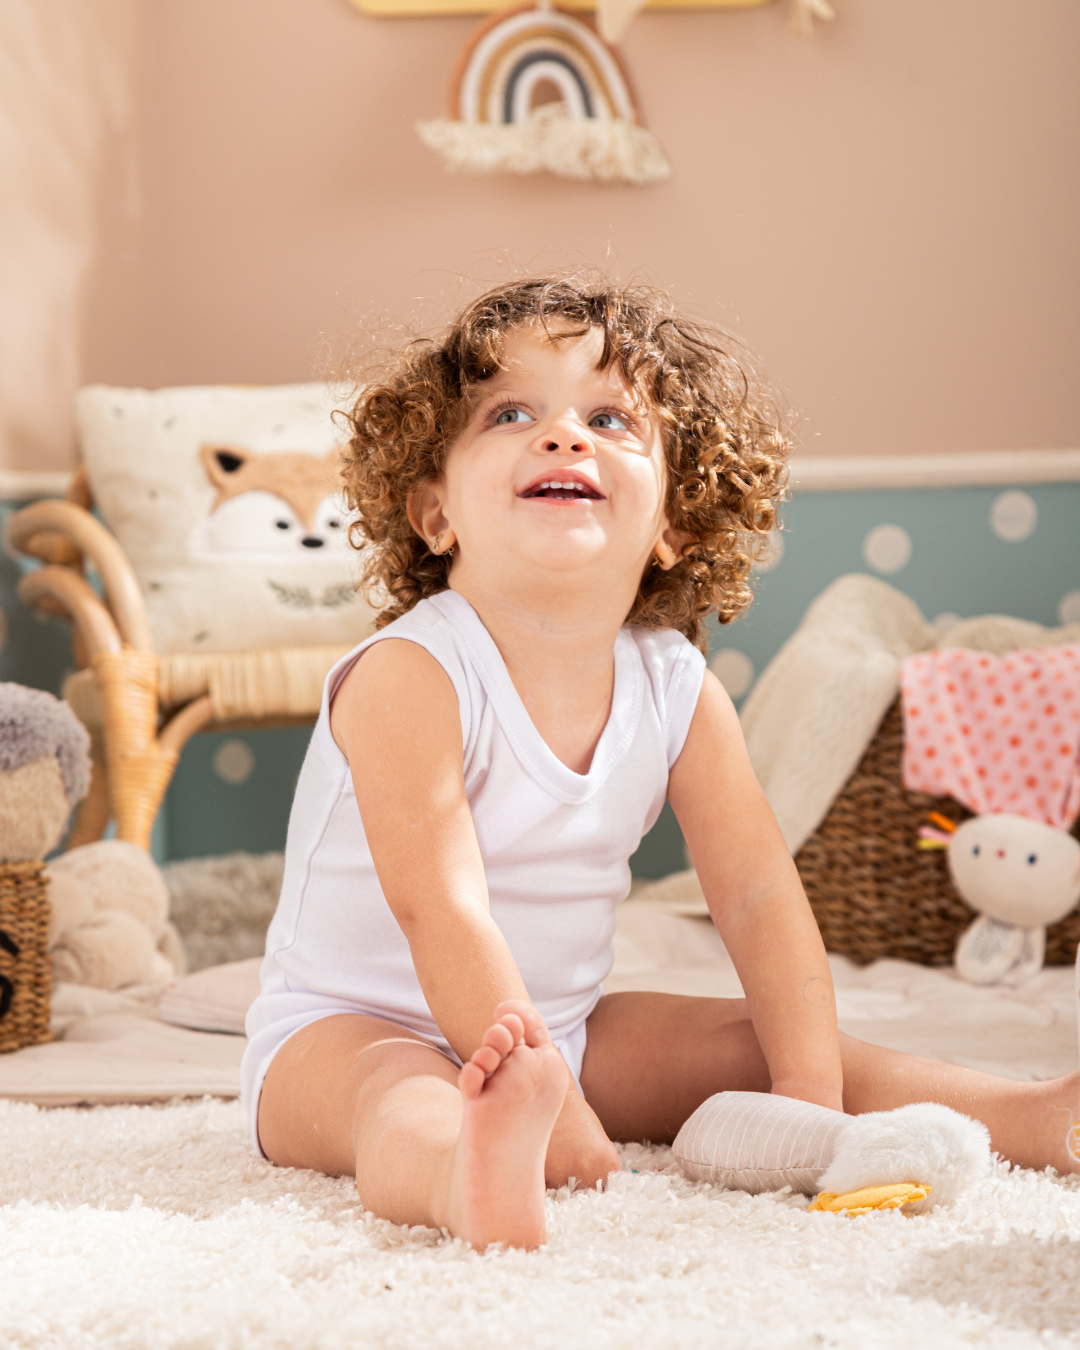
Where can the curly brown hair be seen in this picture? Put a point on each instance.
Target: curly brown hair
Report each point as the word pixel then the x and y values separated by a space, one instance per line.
pixel 722 431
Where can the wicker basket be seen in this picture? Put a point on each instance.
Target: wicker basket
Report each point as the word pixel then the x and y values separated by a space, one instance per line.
pixel 25 975
pixel 874 892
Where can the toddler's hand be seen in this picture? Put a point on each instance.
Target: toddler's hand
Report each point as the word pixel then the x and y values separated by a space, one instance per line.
pixel 579 1147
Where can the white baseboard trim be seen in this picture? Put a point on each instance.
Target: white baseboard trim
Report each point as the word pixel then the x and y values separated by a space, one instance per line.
pixel 976 468
pixel 26 485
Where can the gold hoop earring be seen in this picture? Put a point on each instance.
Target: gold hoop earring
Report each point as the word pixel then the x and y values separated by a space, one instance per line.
pixel 438 551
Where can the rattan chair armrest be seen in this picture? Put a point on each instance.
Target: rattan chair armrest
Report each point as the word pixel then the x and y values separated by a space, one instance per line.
pixel 60 590
pixel 78 490
pixel 95 542
pixel 51 547
pixel 176 734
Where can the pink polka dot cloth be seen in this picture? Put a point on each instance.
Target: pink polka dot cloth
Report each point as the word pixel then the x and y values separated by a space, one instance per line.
pixel 998 733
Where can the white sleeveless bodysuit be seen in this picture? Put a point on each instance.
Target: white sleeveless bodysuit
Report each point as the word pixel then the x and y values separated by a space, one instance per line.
pixel 556 844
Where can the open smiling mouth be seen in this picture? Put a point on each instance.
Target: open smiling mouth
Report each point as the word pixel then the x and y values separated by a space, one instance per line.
pixel 563 492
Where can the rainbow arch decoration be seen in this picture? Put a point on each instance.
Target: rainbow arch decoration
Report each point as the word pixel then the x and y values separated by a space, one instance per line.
pixel 502 116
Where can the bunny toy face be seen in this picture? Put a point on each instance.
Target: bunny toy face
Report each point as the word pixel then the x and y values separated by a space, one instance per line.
pixel 1016 870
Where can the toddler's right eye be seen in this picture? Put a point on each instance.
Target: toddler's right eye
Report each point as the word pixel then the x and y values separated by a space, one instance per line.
pixel 508 415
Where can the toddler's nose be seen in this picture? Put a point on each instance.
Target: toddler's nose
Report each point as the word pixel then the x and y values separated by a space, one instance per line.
pixel 565 432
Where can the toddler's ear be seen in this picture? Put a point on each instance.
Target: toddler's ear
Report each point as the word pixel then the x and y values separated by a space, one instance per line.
pixel 426 515
pixel 665 554
pixel 670 546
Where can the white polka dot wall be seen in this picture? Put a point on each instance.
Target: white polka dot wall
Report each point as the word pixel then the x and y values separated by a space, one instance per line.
pixel 1013 516
pixel 234 762
pixel 734 670
pixel 1069 607
pixel 887 548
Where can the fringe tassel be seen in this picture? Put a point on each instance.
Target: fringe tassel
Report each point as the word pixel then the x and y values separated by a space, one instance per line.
pixel 804 12
pixel 607 150
pixel 613 17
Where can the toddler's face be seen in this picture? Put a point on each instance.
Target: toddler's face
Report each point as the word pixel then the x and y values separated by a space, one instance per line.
pixel 559 466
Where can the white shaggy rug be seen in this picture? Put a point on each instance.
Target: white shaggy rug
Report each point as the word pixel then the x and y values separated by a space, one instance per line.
pixel 158 1226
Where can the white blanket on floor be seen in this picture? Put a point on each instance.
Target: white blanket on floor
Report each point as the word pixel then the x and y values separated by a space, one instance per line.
pixel 121 1051
pixel 1028 1033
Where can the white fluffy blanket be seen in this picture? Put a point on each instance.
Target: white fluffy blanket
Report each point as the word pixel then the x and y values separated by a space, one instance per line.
pixel 127 1228
pixel 812 713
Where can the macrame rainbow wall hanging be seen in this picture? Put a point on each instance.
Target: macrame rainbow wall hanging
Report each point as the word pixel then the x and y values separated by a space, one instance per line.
pixel 591 131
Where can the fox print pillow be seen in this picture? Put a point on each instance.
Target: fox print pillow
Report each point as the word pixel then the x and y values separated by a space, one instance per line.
pixel 227 503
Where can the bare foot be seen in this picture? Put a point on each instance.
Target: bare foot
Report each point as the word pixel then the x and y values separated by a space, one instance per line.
pixel 512 1092
pixel 1065 1135
pixel 1049 1122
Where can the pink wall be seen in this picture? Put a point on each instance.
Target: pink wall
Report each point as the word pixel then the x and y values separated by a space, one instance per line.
pixel 888 212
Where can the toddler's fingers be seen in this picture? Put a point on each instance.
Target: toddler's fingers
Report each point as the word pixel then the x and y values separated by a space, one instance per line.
pixel 535 1028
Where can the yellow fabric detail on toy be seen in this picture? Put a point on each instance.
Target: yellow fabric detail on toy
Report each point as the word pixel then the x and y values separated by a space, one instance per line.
pixel 872 1197
pixel 1072 1143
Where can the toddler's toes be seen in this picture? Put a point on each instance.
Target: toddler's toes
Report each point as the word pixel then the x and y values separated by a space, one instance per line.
pixel 499 1041
pixel 534 1026
pixel 471 1080
pixel 487 1058
pixel 503 1037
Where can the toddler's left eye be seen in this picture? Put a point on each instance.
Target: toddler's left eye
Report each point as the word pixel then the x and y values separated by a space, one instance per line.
pixel 509 415
pixel 606 421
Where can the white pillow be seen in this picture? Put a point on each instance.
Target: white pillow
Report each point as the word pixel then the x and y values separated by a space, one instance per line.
pixel 225 501
pixel 214 999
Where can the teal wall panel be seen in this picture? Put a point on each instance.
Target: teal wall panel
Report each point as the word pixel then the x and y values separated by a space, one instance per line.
pixel 207 813
pixel 37 651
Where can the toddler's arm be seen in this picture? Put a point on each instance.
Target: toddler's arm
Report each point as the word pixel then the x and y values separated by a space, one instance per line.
pixel 395 717
pixel 757 903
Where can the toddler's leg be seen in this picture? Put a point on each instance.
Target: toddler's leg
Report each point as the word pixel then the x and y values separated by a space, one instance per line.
pixel 652 1059
pixel 428 1144
pixel 1028 1122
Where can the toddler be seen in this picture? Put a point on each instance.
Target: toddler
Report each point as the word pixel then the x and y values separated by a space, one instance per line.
pixel 553 498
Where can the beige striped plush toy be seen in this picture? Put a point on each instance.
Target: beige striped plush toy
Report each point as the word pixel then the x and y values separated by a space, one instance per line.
pixel 912 1158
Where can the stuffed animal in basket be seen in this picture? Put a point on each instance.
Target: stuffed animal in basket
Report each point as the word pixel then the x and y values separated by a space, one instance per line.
pixel 1002 736
pixel 109 904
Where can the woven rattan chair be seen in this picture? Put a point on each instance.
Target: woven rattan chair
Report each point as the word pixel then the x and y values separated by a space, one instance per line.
pixel 142 708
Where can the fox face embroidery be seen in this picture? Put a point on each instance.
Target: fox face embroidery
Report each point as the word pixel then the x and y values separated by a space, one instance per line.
pixel 280 502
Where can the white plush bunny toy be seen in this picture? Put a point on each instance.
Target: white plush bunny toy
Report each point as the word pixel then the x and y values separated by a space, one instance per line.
pixel 1002 736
